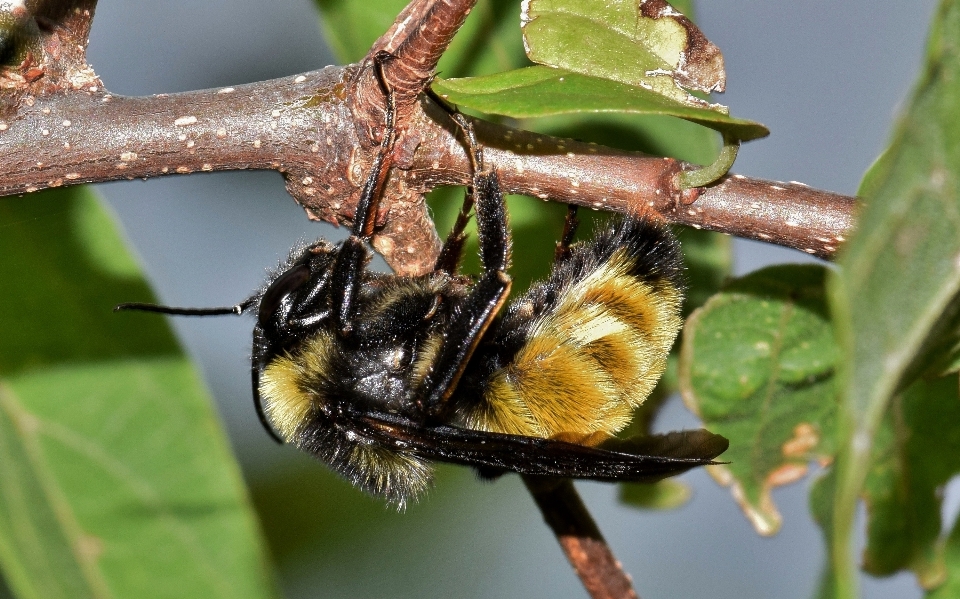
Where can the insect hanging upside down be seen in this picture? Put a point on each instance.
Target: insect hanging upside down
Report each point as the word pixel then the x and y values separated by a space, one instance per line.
pixel 379 375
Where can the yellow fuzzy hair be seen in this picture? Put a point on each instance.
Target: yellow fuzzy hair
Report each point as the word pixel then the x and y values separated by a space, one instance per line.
pixel 283 385
pixel 589 362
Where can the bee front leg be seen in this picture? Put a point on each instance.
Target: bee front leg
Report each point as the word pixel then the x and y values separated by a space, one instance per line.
pixel 353 256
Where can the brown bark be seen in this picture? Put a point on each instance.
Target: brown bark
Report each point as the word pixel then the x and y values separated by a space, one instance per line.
pixel 302 126
pixel 59 126
pixel 580 539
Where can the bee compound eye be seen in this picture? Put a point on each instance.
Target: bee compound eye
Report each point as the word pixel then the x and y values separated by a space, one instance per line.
pixel 279 290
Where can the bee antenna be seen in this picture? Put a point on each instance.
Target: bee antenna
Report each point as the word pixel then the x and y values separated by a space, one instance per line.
pixel 174 311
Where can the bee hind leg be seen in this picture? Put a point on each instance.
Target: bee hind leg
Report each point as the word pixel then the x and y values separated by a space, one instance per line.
pixel 488 294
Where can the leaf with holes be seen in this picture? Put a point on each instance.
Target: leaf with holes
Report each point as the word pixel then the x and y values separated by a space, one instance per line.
pixel 115 476
pixel 757 365
pixel 648 44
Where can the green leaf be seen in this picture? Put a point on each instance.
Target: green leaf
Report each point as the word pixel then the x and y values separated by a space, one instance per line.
pixel 916 452
pixel 951 588
pixel 663 495
pixel 708 257
pixel 543 91
pixel 757 366
pixel 115 476
pixel 647 44
pixel 899 280
pixel 822 496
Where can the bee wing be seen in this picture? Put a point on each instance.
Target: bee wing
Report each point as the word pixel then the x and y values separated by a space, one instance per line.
pixel 641 459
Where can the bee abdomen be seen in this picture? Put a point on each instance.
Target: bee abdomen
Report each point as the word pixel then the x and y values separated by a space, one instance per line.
pixel 595 351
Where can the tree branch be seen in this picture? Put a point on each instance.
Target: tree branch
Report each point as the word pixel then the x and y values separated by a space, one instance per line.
pixel 580 539
pixel 302 127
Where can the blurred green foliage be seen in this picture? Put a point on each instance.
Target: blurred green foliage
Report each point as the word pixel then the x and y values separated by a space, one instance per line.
pixel 115 475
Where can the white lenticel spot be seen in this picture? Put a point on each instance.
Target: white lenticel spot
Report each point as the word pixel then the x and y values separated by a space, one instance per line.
pixel 72 176
pixel 67 122
pixel 226 90
pixel 185 120
pixel 300 79
pixel 256 143
pixel 221 132
pixel 206 167
pixel 128 156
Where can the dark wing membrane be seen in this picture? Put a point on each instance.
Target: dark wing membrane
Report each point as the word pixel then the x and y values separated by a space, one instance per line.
pixel 665 455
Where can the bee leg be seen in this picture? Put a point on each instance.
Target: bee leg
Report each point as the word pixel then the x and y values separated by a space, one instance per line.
pixel 353 256
pixel 488 294
pixel 452 251
pixel 569 231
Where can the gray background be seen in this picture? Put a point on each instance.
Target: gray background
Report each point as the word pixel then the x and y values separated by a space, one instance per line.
pixel 826 77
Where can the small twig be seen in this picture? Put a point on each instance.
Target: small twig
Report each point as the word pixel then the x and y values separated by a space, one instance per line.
pixel 580 539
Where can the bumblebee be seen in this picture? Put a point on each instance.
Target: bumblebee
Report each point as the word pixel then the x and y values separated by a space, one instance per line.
pixel 379 375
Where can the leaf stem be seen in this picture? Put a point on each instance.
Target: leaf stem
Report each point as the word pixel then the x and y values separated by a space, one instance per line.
pixel 702 177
